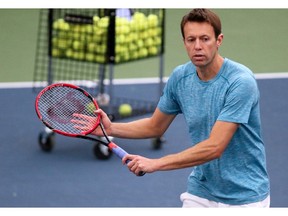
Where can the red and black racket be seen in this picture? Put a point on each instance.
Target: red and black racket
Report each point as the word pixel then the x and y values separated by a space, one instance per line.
pixel 69 110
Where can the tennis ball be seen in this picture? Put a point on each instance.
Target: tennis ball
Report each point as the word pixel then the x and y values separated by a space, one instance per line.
pixel 95 19
pixel 89 57
pixel 125 110
pixel 90 107
pixel 153 50
pixel 152 20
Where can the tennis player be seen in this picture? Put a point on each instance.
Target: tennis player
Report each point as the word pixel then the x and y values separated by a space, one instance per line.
pixel 219 99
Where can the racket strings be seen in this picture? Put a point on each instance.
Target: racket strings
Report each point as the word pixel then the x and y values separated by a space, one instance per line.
pixel 58 105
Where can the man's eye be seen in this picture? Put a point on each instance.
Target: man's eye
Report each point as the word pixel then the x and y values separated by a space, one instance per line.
pixel 190 40
pixel 205 39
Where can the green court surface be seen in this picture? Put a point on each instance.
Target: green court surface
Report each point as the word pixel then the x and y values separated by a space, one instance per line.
pixel 255 37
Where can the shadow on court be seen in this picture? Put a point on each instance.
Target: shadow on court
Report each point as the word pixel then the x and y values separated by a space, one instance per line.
pixel 71 176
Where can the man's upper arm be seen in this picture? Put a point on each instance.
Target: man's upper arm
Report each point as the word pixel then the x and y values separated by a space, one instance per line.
pixel 161 121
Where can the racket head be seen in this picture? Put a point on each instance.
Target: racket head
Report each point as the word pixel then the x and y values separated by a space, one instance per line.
pixel 56 104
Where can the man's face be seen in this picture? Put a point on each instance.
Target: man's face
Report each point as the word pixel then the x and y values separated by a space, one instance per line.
pixel 200 43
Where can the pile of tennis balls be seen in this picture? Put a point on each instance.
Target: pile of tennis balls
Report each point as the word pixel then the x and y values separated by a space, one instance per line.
pixel 137 37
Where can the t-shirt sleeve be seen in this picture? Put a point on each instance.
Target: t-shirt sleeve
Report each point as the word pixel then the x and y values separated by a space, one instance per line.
pixel 168 101
pixel 242 95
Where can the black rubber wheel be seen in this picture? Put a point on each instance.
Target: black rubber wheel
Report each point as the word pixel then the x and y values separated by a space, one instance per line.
pixel 157 142
pixel 101 151
pixel 46 141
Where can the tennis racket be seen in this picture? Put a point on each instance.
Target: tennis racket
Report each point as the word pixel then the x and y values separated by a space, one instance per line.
pixel 64 108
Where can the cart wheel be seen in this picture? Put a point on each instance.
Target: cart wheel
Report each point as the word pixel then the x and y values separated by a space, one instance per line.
pixel 101 151
pixel 46 141
pixel 157 142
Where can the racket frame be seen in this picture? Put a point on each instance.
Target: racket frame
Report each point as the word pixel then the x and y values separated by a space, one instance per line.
pixel 55 85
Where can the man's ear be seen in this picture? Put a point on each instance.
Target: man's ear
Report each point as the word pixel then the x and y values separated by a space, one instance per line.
pixel 219 40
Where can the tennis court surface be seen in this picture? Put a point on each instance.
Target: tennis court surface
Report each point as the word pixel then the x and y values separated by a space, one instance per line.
pixel 71 175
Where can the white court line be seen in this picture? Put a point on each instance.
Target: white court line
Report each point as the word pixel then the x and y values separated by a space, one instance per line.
pixel 279 75
pixel 129 81
pixel 11 85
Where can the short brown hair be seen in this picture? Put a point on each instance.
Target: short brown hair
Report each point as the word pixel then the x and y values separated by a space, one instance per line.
pixel 202 15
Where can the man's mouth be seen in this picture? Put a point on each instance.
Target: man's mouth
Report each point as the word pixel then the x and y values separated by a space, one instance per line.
pixel 198 57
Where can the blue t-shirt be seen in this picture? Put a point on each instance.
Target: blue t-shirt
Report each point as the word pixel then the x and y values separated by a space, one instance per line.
pixel 239 176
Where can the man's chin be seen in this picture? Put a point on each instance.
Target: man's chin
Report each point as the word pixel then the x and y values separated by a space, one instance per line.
pixel 199 63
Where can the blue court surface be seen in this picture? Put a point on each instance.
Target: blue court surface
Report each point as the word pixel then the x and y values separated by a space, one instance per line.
pixel 71 175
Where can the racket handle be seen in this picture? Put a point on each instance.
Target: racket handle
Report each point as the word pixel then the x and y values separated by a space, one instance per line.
pixel 121 153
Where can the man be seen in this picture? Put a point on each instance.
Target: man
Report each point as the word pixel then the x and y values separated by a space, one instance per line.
pixel 219 99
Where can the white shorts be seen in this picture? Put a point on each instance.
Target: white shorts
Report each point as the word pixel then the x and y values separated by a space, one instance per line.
pixel 191 201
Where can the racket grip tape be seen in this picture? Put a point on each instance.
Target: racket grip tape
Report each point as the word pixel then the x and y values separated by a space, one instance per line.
pixel 121 153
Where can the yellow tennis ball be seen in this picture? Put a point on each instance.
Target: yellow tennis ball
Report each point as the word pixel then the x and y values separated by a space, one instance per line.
pixel 125 110
pixel 90 107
